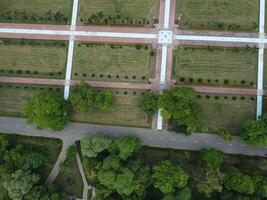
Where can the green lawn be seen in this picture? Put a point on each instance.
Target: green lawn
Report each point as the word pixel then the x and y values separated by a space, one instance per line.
pixel 226 15
pixel 228 114
pixel 118 12
pixel 70 182
pixel 111 62
pixel 126 112
pixel 215 65
pixel 33 58
pixel 36 11
pixel 265 69
pixel 14 97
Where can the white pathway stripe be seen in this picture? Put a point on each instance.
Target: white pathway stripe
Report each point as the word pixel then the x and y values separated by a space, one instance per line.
pixel 70 50
pixel 159 120
pixel 262 17
pixel 79 33
pixel 163 64
pixel 167 14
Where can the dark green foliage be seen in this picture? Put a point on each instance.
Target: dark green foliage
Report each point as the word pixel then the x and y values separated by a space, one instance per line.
pixel 104 100
pixel 180 104
pixel 44 193
pixel 213 158
pixel 127 146
pixel 183 194
pixel 149 103
pixel 254 133
pixel 47 110
pixel 71 152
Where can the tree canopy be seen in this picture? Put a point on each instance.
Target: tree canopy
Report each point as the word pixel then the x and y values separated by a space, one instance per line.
pixel 180 104
pixel 48 110
pixel 93 145
pixel 149 103
pixel 254 133
pixel 104 100
pixel 169 177
pixel 213 158
pixel 127 146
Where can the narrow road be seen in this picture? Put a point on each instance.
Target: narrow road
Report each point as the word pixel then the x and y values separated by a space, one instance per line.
pixel 163 139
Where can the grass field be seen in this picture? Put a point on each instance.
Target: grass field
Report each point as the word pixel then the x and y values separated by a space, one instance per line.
pixel 70 182
pixel 228 114
pixel 14 97
pixel 215 65
pixel 32 60
pixel 111 62
pixel 236 15
pixel 265 69
pixel 126 112
pixel 36 11
pixel 118 12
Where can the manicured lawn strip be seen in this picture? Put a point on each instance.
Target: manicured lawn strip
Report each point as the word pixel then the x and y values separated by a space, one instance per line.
pixel 265 69
pixel 122 12
pixel 226 112
pixel 126 111
pixel 14 97
pixel 70 182
pixel 29 58
pixel 226 15
pixel 36 11
pixel 114 62
pixel 48 147
pixel 215 65
pixel 193 166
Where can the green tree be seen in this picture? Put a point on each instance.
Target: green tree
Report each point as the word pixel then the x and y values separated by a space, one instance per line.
pixel 260 183
pixel 50 192
pixel 254 133
pixel 20 183
pixel 169 177
pixel 47 110
pixel 128 146
pixel 82 97
pixel 71 152
pixel 239 182
pixel 93 145
pixel 183 194
pixel 149 103
pixel 104 100
pixel 3 143
pixel 213 158
pixel 180 104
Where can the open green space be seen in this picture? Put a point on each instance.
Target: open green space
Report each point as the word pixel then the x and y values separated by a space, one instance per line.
pixel 126 111
pixel 33 58
pixel 226 112
pixel 14 97
pixel 215 65
pixel 118 12
pixel 70 182
pixel 111 62
pixel 226 15
pixel 36 11
pixel 265 69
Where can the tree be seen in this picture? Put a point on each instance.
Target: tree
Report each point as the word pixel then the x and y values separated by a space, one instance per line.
pixel 47 110
pixel 180 104
pixel 213 158
pixel 71 152
pixel 3 143
pixel 183 194
pixel 93 145
pixel 239 182
pixel 149 103
pixel 128 146
pixel 104 100
pixel 82 97
pixel 211 182
pixel 44 193
pixel 20 183
pixel 254 133
pixel 169 177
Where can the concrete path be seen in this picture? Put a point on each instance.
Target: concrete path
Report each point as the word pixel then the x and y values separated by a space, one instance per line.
pixel 164 139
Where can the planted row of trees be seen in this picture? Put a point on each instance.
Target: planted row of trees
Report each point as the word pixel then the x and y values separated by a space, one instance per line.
pixel 49 110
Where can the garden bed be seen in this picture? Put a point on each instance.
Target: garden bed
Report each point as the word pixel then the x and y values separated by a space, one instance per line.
pixel 15 96
pixel 215 65
pixel 36 11
pixel 126 111
pixel 114 62
pixel 122 12
pixel 224 15
pixel 33 58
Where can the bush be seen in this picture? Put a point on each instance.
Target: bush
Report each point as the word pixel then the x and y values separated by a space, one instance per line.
pixel 225 135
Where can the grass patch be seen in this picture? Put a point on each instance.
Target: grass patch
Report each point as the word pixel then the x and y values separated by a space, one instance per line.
pixel 226 112
pixel 32 58
pixel 110 62
pixel 118 12
pixel 215 65
pixel 226 15
pixel 126 111
pixel 70 182
pixel 36 11
pixel 14 97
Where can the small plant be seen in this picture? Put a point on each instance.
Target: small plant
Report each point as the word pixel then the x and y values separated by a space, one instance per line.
pixel 225 135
